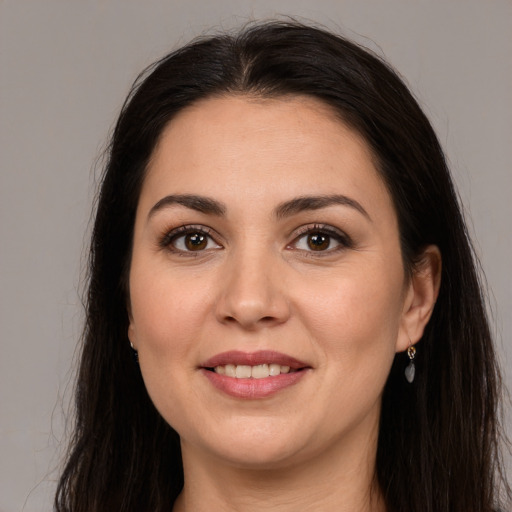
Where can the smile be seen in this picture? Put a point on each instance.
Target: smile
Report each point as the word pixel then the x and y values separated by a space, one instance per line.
pixel 260 371
pixel 253 375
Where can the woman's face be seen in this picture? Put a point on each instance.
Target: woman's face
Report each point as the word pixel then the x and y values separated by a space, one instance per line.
pixel 265 239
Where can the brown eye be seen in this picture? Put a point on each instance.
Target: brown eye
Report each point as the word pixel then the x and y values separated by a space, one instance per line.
pixel 188 239
pixel 318 241
pixel 195 241
pixel 321 239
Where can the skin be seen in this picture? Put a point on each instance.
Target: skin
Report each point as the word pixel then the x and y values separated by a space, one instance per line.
pixel 345 309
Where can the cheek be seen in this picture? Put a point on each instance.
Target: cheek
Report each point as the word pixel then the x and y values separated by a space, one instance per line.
pixel 355 328
pixel 356 317
pixel 167 318
pixel 167 314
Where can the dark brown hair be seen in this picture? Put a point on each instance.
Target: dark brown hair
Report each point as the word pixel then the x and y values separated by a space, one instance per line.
pixel 438 447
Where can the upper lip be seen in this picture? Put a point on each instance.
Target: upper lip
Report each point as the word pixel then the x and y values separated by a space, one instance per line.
pixel 238 357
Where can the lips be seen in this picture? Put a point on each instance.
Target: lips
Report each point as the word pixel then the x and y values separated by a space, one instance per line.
pixel 236 358
pixel 253 375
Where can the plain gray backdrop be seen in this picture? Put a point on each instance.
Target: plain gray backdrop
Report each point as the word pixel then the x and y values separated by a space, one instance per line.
pixel 65 67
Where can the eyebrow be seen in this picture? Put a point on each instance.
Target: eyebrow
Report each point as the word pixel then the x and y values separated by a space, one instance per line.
pixel 194 202
pixel 211 206
pixel 305 203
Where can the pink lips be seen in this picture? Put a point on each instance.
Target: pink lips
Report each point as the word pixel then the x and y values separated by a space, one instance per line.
pixel 252 359
pixel 253 388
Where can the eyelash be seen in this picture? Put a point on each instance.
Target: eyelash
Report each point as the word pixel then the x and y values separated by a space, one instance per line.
pixel 170 238
pixel 344 241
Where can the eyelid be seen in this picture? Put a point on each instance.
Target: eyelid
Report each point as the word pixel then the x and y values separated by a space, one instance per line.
pixel 337 234
pixel 344 241
pixel 166 241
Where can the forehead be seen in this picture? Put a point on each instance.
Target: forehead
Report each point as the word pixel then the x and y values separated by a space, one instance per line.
pixel 253 147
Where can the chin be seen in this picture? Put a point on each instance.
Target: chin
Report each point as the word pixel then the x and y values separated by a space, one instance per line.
pixel 263 458
pixel 254 445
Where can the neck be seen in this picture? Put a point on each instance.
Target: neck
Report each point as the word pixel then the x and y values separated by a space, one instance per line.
pixel 341 480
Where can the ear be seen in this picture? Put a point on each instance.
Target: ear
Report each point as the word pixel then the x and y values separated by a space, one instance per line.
pixel 420 297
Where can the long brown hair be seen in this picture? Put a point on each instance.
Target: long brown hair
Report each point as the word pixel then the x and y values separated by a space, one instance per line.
pixel 438 447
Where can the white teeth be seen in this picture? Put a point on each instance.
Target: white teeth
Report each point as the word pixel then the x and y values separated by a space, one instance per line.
pixel 275 369
pixel 260 371
pixel 242 371
pixel 230 370
pixel 221 370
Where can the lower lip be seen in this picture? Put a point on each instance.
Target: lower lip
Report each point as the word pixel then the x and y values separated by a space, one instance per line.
pixel 253 388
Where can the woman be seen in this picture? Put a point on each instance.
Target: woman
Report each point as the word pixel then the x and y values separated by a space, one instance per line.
pixel 283 306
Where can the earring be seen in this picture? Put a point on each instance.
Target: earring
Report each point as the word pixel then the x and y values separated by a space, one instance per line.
pixel 135 353
pixel 410 369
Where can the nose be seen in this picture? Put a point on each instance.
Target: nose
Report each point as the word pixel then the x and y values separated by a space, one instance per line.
pixel 252 292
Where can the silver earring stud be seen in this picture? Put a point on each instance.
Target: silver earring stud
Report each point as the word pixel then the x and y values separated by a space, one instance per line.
pixel 135 353
pixel 410 369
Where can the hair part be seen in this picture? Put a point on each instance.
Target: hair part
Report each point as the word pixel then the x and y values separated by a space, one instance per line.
pixel 438 448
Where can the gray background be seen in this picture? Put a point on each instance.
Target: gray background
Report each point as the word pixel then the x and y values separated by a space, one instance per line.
pixel 65 67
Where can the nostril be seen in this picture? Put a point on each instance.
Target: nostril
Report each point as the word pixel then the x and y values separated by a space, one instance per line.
pixel 251 311
pixel 249 321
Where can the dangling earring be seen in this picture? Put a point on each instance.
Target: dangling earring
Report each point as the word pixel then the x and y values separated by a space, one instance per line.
pixel 135 353
pixel 410 369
